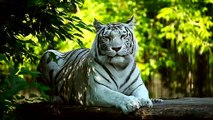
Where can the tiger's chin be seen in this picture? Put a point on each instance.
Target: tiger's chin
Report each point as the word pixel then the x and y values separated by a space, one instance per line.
pixel 120 61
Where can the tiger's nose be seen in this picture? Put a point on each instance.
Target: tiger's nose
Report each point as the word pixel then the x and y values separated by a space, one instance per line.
pixel 116 48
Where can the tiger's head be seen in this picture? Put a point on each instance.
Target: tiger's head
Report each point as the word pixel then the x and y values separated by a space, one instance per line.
pixel 114 43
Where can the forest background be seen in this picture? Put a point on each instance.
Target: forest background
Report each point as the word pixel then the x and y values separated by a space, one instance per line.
pixel 175 40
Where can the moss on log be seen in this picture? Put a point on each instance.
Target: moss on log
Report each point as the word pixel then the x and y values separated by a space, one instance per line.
pixel 175 109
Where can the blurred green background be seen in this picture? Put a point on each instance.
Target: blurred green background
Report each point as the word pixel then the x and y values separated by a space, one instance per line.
pixel 174 36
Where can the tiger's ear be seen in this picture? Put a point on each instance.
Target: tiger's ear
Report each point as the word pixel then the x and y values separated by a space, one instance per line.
pixel 131 22
pixel 98 25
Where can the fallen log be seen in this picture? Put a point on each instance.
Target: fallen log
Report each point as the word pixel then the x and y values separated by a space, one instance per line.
pixel 175 109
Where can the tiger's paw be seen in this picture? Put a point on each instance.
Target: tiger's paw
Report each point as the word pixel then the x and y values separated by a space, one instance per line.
pixel 146 102
pixel 129 104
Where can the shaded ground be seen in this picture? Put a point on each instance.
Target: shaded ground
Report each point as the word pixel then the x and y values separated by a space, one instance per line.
pixel 175 109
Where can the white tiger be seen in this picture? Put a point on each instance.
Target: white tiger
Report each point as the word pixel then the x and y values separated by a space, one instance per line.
pixel 105 75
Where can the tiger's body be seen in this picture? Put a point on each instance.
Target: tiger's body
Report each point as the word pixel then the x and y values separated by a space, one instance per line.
pixel 105 75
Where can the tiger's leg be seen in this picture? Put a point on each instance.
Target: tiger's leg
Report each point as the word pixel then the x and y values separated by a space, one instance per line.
pixel 103 96
pixel 142 94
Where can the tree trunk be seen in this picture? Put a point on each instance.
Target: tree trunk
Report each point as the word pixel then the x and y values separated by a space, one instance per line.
pixel 176 109
pixel 201 76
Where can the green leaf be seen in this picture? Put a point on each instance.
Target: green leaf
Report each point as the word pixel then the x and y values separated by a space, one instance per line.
pixel 25 71
pixel 164 12
pixel 76 17
pixel 80 43
pixel 28 41
pixel 79 35
pixel 3 58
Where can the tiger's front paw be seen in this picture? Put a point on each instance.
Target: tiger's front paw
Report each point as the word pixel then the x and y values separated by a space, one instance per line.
pixel 130 104
pixel 146 102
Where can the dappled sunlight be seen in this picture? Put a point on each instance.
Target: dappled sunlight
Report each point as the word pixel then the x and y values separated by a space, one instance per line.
pixel 105 75
pixel 174 38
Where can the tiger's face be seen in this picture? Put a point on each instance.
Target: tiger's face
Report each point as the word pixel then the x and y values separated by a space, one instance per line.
pixel 114 43
pixel 115 40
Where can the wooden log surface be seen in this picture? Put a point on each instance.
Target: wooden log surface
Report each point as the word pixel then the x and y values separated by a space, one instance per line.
pixel 174 109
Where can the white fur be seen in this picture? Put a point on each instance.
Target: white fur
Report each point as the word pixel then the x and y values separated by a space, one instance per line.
pixel 126 94
pixel 99 95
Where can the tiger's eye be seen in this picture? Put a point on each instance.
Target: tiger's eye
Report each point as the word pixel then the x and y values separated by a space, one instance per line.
pixel 104 47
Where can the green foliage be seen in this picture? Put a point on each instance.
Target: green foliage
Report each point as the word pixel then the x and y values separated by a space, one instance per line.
pixel 188 26
pixel 27 29
pixel 173 36
pixel 12 83
pixel 46 20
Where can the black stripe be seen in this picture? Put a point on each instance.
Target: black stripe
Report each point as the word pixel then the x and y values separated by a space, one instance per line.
pixel 98 41
pixel 97 49
pixel 83 50
pixel 70 56
pixel 131 37
pixel 136 88
pixel 59 73
pixel 101 83
pixel 65 67
pixel 64 89
pixel 132 82
pixel 67 53
pixel 130 74
pixel 74 62
pixel 102 76
pixel 61 90
pixel 96 52
pixel 108 72
pixel 79 56
pixel 102 32
pixel 127 29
